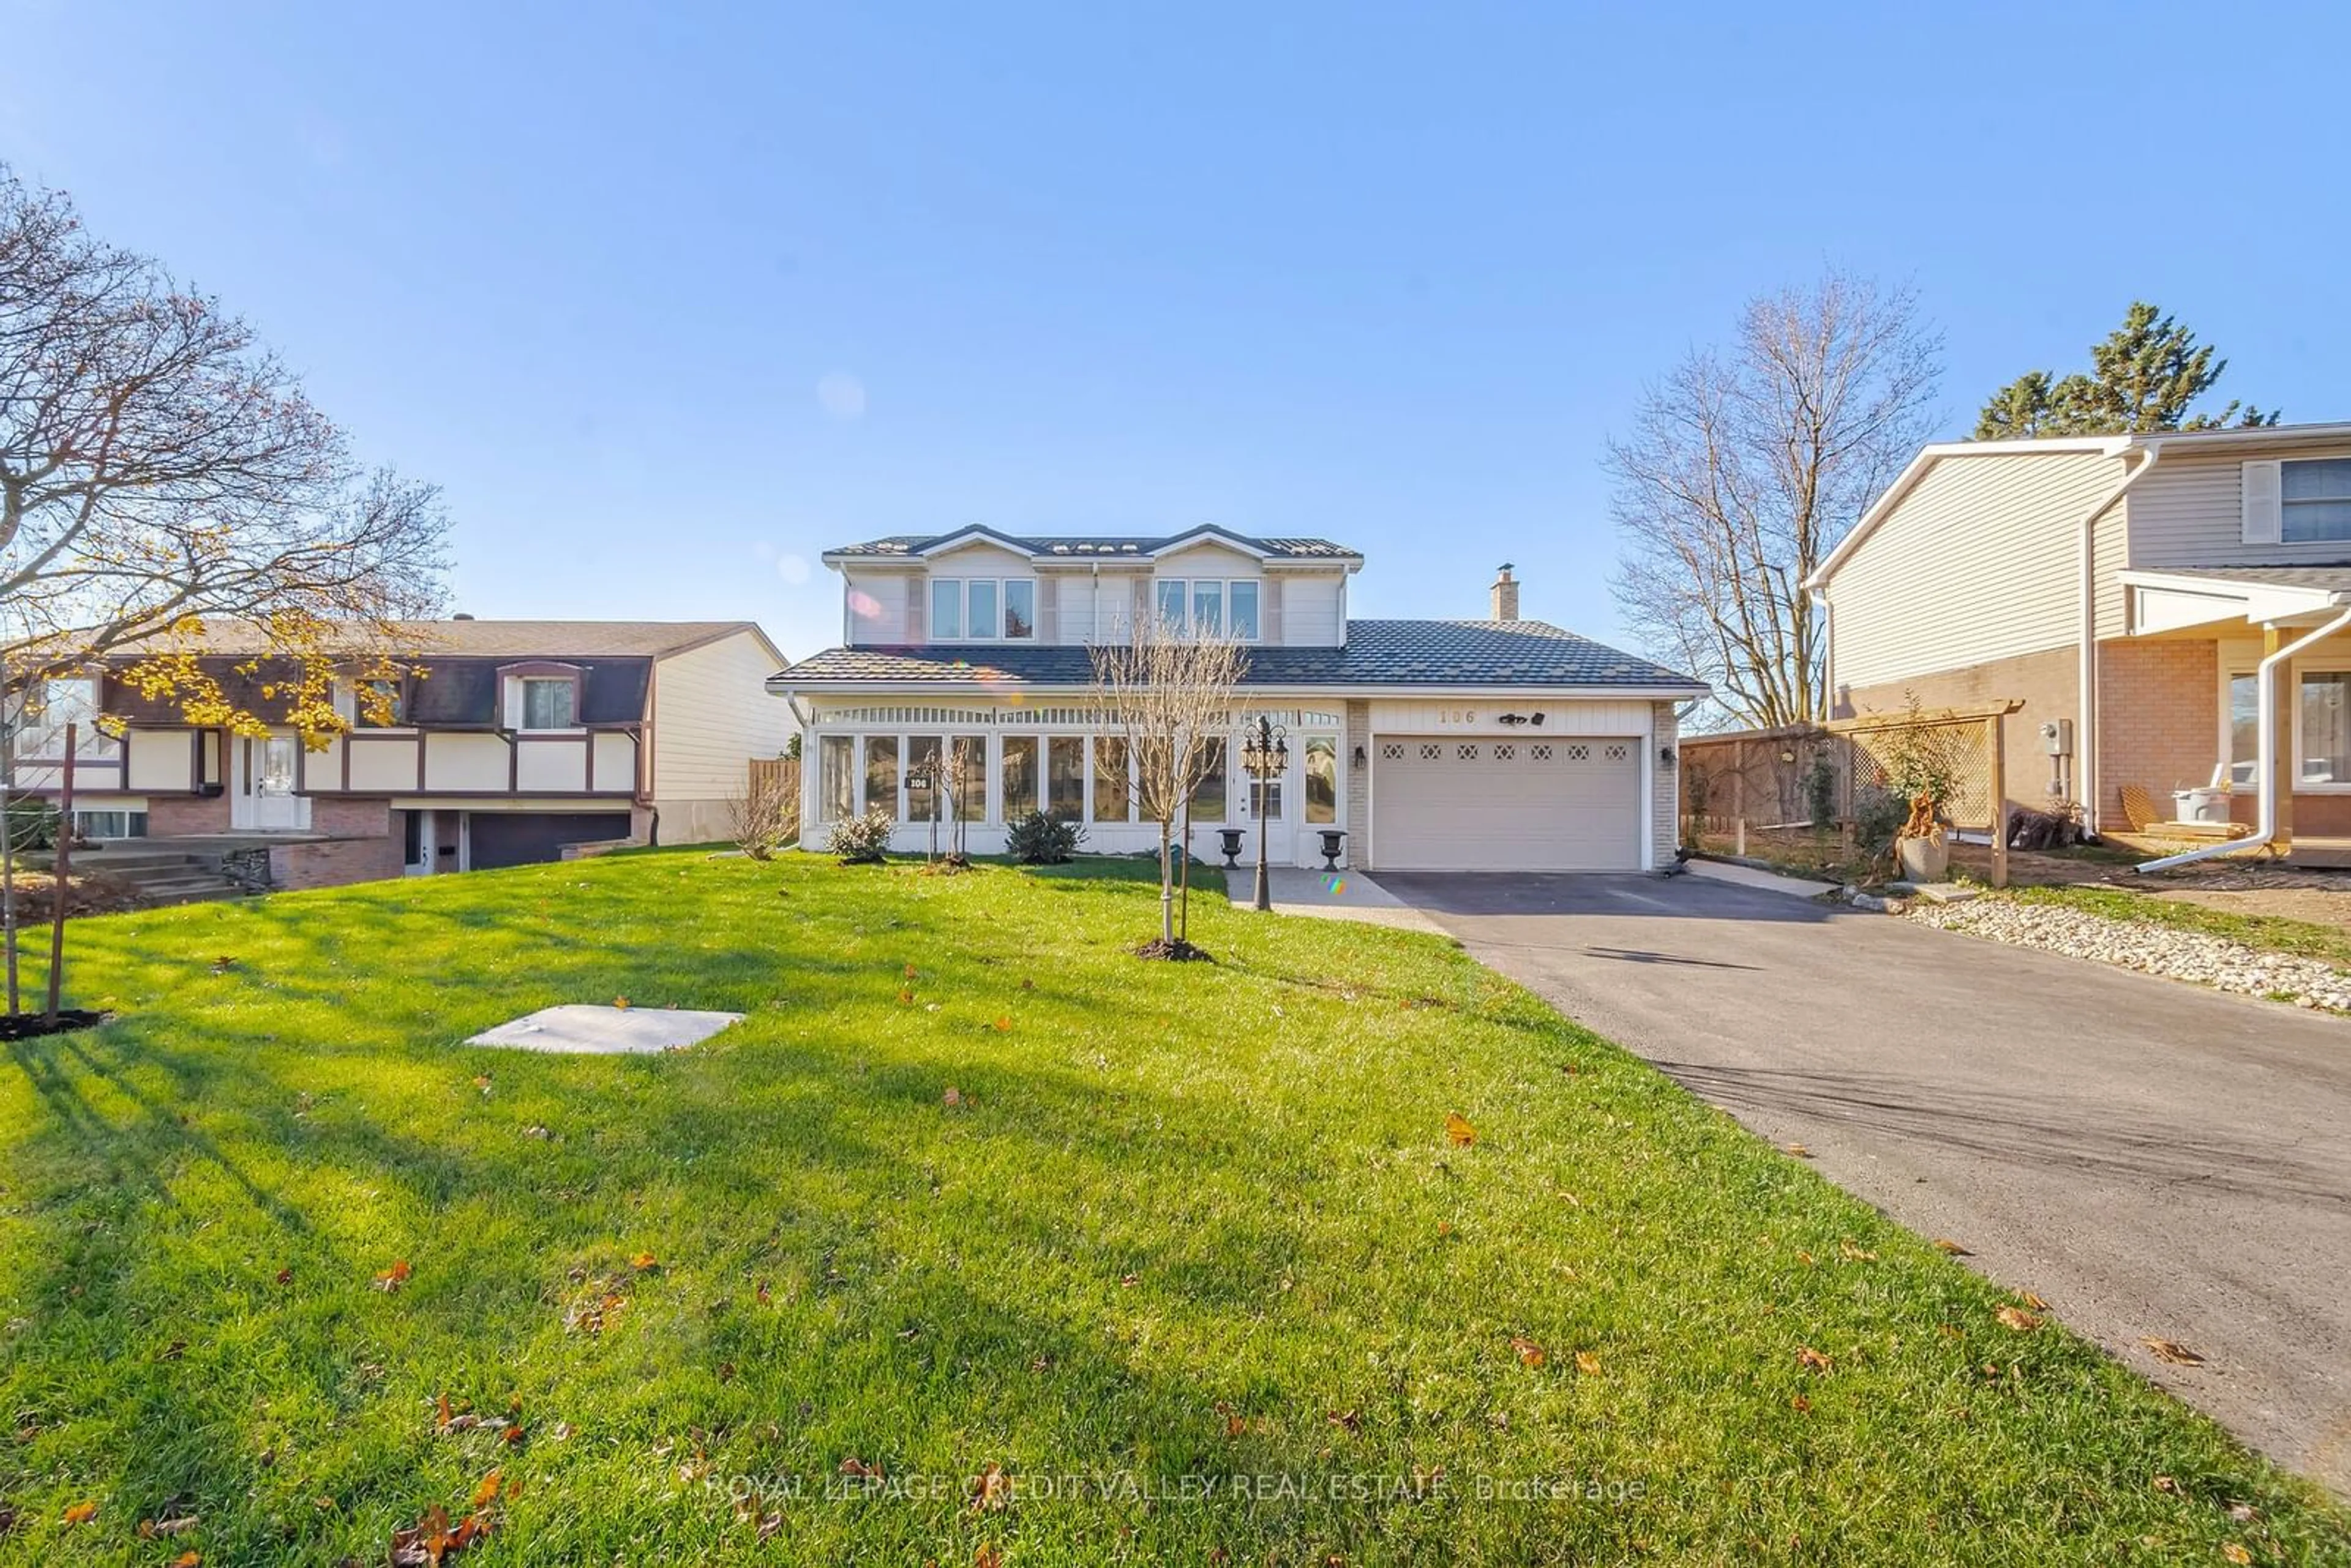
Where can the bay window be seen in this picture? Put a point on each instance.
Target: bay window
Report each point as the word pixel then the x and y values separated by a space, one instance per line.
pixel 1065 778
pixel 1017 776
pixel 1112 797
pixel 882 773
pixel 1208 795
pixel 982 609
pixel 836 780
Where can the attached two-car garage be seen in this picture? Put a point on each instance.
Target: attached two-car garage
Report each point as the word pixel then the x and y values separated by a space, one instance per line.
pixel 1521 803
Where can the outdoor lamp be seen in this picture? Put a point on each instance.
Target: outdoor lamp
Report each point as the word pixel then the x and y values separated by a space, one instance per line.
pixel 1265 753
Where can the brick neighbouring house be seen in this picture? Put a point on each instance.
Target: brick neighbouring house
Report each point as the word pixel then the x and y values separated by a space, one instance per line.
pixel 2132 587
pixel 520 737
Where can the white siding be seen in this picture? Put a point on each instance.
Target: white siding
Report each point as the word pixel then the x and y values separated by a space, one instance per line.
pixel 2188 512
pixel 877 607
pixel 712 714
pixel 465 760
pixel 383 763
pixel 1087 608
pixel 1312 609
pixel 1979 562
pixel 161 760
pixel 552 765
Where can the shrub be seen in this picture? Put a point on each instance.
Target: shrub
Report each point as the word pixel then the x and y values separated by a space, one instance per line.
pixel 32 823
pixel 861 841
pixel 1042 838
pixel 1878 817
pixel 1821 790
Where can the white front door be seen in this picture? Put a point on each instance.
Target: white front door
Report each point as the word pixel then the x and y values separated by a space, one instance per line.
pixel 266 800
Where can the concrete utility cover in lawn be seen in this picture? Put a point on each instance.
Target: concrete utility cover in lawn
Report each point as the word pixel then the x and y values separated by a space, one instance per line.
pixel 606 1031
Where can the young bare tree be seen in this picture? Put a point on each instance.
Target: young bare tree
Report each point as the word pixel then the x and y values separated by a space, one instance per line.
pixel 1744 469
pixel 1169 698
pixel 766 816
pixel 160 470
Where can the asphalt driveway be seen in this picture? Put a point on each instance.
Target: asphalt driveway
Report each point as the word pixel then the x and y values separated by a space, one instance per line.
pixel 2152 1158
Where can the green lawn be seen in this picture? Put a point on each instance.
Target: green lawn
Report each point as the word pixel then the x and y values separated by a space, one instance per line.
pixel 1190 1229
pixel 2270 932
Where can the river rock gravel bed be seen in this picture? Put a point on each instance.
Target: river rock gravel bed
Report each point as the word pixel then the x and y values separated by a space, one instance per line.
pixel 2150 948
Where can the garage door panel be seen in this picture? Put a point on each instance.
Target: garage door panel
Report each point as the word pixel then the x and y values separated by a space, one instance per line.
pixel 1444 803
pixel 529 838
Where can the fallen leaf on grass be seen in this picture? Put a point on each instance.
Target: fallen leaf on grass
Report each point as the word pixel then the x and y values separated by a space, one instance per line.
pixel 644 1262
pixel 1812 1360
pixel 1004 1026
pixel 987 1557
pixel 2036 1303
pixel 1588 1363
pixel 1801 1406
pixel 991 1490
pixel 1529 1352
pixel 2168 1485
pixel 2017 1318
pixel 2177 1355
pixel 1853 1253
pixel 1944 1244
pixel 153 1528
pixel 393 1279
pixel 512 1435
pixel 953 1097
pixel 858 1470
pixel 1346 1420
pixel 1457 1130
pixel 284 1276
pixel 1804 1258
pixel 2234 1552
pixel 621 1003
pixel 1798 1150
pixel 187 1560
pixel 487 1492
pixel 482 1082
pixel 82 1514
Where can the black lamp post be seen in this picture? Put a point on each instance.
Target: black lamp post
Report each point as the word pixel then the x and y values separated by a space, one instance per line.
pixel 1265 753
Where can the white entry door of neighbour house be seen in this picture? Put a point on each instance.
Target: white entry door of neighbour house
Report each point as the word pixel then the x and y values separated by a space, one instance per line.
pixel 1568 802
pixel 265 801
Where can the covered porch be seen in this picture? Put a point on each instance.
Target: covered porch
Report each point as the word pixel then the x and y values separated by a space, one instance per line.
pixel 2228 707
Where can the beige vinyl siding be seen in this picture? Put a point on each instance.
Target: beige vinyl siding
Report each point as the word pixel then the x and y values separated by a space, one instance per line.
pixel 1979 562
pixel 712 714
pixel 1087 608
pixel 2187 511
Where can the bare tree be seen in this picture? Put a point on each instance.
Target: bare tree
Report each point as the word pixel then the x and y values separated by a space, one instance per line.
pixel 1744 469
pixel 1168 696
pixel 766 816
pixel 160 469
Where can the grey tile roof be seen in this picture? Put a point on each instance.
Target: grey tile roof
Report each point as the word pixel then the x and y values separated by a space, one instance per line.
pixel 1096 546
pixel 1378 654
pixel 2325 577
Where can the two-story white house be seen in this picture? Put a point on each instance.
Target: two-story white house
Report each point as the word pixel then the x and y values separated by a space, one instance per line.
pixel 2137 592
pixel 1481 745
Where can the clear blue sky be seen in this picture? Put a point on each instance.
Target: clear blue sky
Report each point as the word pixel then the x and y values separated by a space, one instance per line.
pixel 669 303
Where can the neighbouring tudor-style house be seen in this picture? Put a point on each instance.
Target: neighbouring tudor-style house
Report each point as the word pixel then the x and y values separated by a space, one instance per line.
pixel 1494 744
pixel 518 739
pixel 2131 591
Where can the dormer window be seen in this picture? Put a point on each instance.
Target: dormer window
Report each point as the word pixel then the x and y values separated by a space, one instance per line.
pixel 1210 606
pixel 541 695
pixel 982 609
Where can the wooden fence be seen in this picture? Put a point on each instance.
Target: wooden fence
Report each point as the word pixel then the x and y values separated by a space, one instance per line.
pixel 1763 780
pixel 781 775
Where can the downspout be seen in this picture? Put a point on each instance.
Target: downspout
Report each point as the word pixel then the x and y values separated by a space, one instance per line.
pixel 2265 709
pixel 2085 724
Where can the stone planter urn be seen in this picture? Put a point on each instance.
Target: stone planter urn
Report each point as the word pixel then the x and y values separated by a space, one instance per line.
pixel 1923 860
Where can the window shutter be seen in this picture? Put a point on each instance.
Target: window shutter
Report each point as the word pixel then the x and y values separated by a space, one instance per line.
pixel 1269 611
pixel 2260 486
pixel 1048 610
pixel 918 609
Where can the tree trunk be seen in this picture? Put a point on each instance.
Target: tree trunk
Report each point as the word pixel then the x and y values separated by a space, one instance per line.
pixel 1166 882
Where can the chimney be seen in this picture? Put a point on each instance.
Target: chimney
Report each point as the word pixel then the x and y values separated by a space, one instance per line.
pixel 1505 594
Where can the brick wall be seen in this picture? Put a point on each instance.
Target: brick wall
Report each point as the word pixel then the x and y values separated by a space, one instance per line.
pixel 1359 784
pixel 1665 805
pixel 2159 720
pixel 350 818
pixel 2045 682
pixel 178 816
pixel 331 862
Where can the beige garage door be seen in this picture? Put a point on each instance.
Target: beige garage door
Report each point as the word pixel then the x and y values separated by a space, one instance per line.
pixel 1444 803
